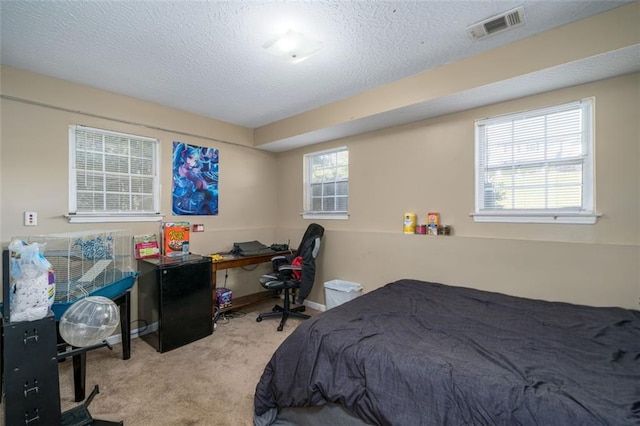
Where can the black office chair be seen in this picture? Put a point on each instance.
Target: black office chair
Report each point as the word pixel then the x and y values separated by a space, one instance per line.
pixel 296 271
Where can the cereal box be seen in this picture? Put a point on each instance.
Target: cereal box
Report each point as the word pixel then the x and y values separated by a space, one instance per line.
pixel 433 219
pixel 175 238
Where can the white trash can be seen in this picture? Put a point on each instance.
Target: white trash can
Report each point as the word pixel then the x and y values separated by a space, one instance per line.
pixel 337 292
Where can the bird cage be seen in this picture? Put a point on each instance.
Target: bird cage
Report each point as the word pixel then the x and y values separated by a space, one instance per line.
pixel 87 262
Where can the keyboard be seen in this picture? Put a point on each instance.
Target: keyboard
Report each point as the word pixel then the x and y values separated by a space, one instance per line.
pixel 257 252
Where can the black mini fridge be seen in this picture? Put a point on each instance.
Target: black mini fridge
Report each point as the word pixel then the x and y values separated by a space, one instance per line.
pixel 174 300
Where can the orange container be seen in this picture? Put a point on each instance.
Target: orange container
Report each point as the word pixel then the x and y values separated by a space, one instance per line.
pixel 433 219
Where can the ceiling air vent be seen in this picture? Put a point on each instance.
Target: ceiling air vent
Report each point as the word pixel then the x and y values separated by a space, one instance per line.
pixel 496 24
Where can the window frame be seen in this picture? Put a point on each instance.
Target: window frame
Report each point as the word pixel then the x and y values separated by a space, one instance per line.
pixel 308 213
pixel 74 216
pixel 586 214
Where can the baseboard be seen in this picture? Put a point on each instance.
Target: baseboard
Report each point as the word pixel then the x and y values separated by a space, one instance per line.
pixel 117 338
pixel 316 306
pixel 310 304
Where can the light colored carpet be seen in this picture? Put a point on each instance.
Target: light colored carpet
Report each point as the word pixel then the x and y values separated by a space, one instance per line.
pixel 207 382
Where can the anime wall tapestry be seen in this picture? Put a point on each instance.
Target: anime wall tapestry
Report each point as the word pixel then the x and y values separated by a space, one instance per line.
pixel 195 180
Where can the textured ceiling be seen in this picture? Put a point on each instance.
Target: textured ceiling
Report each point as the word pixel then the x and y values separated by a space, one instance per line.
pixel 206 57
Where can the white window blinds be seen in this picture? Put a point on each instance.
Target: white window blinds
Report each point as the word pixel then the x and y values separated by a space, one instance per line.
pixel 112 173
pixel 536 163
pixel 327 183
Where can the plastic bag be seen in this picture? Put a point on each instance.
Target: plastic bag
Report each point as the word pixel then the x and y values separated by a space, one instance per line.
pixel 33 282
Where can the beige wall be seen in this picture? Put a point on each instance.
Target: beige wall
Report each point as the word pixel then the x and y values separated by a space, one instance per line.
pixel 429 166
pixel 419 167
pixel 35 115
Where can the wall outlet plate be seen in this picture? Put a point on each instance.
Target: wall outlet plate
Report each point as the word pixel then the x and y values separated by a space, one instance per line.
pixel 30 218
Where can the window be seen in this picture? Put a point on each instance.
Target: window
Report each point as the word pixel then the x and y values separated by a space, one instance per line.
pixel 536 166
pixel 326 183
pixel 113 177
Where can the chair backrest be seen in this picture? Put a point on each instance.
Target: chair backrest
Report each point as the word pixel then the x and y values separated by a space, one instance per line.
pixel 308 250
pixel 313 231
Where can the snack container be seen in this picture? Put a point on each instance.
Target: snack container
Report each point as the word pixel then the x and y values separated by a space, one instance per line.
pixel 409 224
pixel 175 238
pixel 433 219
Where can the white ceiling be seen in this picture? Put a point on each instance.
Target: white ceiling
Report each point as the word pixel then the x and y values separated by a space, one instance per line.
pixel 206 57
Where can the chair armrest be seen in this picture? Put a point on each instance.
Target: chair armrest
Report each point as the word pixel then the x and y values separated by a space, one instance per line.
pixel 290 268
pixel 278 261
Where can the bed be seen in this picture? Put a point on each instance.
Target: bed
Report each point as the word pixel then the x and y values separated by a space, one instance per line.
pixel 420 353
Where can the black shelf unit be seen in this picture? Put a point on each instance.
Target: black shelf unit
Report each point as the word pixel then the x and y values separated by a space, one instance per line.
pixel 29 365
pixel 175 300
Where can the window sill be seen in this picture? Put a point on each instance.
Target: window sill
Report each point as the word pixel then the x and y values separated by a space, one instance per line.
pixel 560 218
pixel 85 218
pixel 330 216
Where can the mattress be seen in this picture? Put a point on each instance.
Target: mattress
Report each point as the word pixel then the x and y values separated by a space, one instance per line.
pixel 415 352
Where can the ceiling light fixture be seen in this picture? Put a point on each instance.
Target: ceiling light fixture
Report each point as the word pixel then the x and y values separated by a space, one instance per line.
pixel 294 46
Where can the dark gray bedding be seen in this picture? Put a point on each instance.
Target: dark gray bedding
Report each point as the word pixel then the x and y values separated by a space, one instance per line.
pixel 414 353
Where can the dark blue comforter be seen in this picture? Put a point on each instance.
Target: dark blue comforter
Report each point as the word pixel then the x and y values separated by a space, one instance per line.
pixel 417 353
